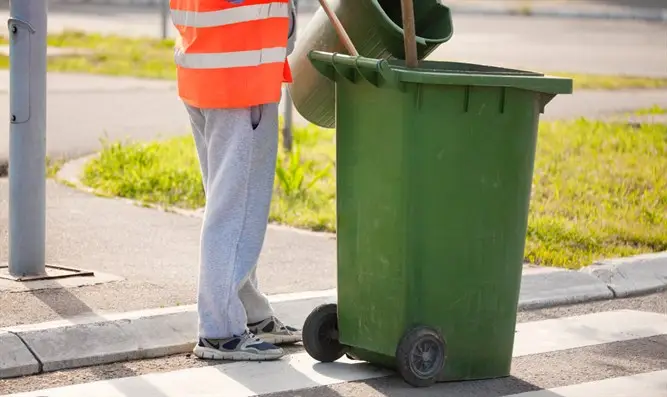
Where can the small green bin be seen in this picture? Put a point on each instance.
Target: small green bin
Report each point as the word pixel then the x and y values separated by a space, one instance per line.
pixel 434 169
pixel 374 26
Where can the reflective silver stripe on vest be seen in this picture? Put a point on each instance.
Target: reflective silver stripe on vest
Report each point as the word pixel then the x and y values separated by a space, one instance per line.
pixel 228 16
pixel 230 59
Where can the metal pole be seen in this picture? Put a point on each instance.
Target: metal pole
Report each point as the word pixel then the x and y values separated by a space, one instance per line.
pixel 287 124
pixel 287 116
pixel 164 11
pixel 27 137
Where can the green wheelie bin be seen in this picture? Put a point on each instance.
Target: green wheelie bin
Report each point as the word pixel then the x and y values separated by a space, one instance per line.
pixel 434 167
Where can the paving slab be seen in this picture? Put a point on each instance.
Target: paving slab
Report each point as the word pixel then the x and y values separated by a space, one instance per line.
pixel 15 358
pixel 637 275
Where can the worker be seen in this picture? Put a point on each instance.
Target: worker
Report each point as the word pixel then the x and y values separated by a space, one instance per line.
pixel 231 60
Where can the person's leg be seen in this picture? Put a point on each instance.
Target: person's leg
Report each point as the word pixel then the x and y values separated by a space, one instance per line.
pixel 261 319
pixel 257 305
pixel 223 332
pixel 198 124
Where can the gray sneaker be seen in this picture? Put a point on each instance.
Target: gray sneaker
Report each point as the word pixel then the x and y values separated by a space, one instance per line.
pixel 274 331
pixel 246 347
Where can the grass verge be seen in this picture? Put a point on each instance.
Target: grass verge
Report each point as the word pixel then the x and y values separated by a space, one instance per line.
pixel 109 55
pixel 153 58
pixel 652 111
pixel 600 189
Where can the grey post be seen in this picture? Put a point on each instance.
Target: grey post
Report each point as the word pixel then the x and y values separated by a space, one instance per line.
pixel 287 122
pixel 27 137
pixel 287 116
pixel 164 13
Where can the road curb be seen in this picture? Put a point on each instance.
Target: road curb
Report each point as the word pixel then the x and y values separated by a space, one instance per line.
pixel 15 357
pixel 641 14
pixel 103 339
pixel 627 277
pixel 562 287
pixel 117 337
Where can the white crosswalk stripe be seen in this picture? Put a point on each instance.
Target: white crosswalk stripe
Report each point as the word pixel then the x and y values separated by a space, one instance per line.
pixel 299 371
pixel 652 384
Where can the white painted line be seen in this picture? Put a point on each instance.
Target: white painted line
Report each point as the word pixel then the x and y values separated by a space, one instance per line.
pixel 299 371
pixel 297 296
pixel 232 380
pixel 652 384
pixel 135 315
pixel 587 330
pixel 99 318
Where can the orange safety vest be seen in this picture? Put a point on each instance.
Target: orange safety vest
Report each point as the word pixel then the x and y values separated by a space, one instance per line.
pixel 232 53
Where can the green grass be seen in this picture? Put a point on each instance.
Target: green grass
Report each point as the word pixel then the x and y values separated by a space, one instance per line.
pixel 652 111
pixel 153 58
pixel 110 55
pixel 53 166
pixel 600 189
pixel 305 179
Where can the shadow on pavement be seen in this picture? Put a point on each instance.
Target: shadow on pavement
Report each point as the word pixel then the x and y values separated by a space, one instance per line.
pixel 396 387
pixel 651 350
pixel 63 302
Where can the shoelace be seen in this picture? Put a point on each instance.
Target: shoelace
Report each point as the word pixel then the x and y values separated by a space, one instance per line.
pixel 250 336
pixel 279 323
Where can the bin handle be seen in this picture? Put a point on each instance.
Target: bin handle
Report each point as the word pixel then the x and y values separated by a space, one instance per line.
pixel 410 36
pixel 340 30
pixel 375 71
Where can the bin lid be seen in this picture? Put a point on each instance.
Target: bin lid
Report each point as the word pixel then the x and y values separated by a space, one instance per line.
pixel 381 72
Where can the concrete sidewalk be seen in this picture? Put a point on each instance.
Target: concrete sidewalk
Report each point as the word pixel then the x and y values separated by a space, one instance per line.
pixel 145 260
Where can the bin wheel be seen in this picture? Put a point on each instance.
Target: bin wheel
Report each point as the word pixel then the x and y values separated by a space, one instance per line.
pixel 320 334
pixel 421 356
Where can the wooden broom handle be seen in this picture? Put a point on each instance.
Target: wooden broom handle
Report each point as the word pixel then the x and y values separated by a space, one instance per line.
pixel 340 30
pixel 408 11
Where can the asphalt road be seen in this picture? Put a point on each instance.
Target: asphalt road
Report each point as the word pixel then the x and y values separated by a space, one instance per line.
pixel 629 350
pixel 571 45
pixel 544 44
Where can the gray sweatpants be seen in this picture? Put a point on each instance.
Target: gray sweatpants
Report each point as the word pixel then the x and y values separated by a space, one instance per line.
pixel 237 151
